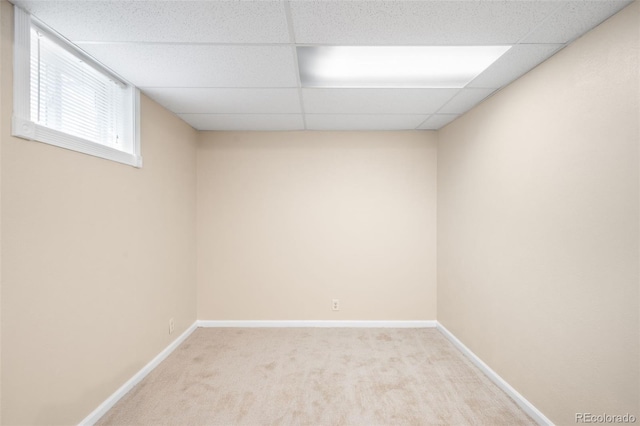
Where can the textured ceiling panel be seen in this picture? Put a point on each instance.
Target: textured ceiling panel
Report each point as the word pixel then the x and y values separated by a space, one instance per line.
pixel 516 62
pixel 152 65
pixel 363 121
pixel 437 121
pixel 244 121
pixel 465 100
pixel 168 21
pixel 375 101
pixel 232 101
pixel 230 65
pixel 417 22
pixel 573 20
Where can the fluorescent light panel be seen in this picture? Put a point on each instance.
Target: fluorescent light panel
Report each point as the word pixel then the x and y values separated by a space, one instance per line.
pixel 394 66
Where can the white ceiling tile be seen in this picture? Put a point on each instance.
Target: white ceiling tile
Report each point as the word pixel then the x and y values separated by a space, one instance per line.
pixel 168 65
pixel 375 101
pixel 517 61
pixel 172 21
pixel 265 122
pixel 574 19
pixel 232 101
pixel 363 121
pixel 228 65
pixel 436 121
pixel 465 100
pixel 416 22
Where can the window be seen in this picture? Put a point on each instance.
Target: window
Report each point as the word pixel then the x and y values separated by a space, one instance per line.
pixel 65 98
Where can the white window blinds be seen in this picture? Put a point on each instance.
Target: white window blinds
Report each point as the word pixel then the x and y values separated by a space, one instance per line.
pixel 70 95
pixel 65 98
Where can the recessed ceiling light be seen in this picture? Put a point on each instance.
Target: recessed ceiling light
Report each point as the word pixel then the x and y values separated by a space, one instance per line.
pixel 394 66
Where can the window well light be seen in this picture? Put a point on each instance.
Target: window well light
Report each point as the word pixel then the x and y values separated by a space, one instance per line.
pixel 394 66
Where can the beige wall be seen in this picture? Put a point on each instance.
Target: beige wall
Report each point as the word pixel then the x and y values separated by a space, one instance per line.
pixel 289 220
pixel 2 114
pixel 538 227
pixel 97 256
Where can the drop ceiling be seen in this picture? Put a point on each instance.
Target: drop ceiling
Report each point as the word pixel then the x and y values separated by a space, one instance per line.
pixel 231 65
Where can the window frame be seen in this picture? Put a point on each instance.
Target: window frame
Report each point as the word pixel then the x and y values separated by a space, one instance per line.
pixel 24 127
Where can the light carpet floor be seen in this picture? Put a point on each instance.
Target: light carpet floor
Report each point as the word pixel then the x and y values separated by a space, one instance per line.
pixel 316 376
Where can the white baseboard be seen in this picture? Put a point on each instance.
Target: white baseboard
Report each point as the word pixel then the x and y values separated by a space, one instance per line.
pixel 317 324
pixel 528 407
pixel 115 397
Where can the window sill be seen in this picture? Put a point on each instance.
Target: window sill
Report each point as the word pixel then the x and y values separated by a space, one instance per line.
pixel 28 130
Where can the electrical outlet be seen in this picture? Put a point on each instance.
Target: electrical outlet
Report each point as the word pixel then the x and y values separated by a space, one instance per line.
pixel 172 325
pixel 335 304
